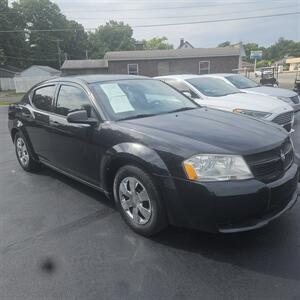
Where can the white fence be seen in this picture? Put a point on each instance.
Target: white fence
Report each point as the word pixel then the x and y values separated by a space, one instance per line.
pixel 7 84
pixel 23 84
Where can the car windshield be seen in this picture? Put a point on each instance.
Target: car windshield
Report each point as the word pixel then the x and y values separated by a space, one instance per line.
pixel 212 87
pixel 241 82
pixel 129 99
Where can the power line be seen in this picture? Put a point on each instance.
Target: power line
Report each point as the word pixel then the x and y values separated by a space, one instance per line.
pixel 30 59
pixel 160 25
pixel 190 16
pixel 217 20
pixel 159 8
pixel 164 7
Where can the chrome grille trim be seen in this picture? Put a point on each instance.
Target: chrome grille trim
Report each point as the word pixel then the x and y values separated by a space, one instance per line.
pixel 284 118
pixel 271 165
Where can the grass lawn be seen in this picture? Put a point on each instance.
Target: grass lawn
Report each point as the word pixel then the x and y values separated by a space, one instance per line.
pixel 4 103
pixel 11 94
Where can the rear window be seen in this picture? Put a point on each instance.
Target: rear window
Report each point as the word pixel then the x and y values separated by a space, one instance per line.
pixel 241 82
pixel 43 97
pixel 212 87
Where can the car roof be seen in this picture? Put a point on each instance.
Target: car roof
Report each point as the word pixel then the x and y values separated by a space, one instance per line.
pixel 190 76
pixel 95 78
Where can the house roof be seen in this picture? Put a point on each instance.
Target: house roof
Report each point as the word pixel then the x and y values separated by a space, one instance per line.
pixel 85 64
pixel 171 54
pixel 185 43
pixel 10 69
pixel 293 60
pixel 47 69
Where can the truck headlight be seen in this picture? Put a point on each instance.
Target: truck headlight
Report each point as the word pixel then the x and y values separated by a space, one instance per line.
pixel 252 113
pixel 215 167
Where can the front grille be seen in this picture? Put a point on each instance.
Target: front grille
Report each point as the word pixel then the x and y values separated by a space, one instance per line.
pixel 270 165
pixel 295 99
pixel 284 118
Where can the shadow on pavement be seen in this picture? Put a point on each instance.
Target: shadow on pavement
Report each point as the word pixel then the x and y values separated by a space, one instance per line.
pixel 272 250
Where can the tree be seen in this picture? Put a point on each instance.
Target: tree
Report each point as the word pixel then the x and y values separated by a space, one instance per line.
pixel 224 44
pixel 12 44
pixel 113 36
pixel 44 47
pixel 158 43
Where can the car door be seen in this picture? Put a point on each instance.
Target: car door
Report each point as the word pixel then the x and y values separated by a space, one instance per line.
pixel 37 122
pixel 74 145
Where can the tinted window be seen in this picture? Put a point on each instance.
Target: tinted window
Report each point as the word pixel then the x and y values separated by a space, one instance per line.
pixel 134 98
pixel 42 98
pixel 213 87
pixel 71 99
pixel 241 82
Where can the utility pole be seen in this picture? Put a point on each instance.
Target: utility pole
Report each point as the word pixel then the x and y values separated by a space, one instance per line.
pixel 58 51
pixel 86 54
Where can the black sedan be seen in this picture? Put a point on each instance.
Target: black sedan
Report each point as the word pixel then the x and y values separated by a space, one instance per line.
pixel 161 157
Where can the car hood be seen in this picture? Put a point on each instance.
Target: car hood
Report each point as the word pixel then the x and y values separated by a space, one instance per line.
pixel 205 130
pixel 252 102
pixel 271 91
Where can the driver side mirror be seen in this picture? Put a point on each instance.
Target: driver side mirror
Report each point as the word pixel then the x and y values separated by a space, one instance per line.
pixel 81 117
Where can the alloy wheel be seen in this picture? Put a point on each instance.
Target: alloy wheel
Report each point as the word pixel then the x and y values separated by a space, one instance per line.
pixel 22 152
pixel 135 200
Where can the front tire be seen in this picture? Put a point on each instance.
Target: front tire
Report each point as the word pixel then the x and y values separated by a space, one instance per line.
pixel 23 153
pixel 138 201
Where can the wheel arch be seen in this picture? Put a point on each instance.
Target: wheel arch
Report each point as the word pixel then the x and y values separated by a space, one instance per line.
pixel 13 133
pixel 130 154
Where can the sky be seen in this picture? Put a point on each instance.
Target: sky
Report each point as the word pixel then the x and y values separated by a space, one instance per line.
pixel 265 31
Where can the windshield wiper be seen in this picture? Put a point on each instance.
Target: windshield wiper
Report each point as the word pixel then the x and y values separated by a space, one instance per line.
pixel 181 109
pixel 137 116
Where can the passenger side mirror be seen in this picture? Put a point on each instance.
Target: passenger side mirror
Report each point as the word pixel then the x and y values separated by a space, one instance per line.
pixel 81 117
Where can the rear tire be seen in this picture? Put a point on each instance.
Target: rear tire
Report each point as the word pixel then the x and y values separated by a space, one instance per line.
pixel 23 153
pixel 138 201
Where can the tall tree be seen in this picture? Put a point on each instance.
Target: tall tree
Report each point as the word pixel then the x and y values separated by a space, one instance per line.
pixel 13 44
pixel 46 47
pixel 113 36
pixel 158 43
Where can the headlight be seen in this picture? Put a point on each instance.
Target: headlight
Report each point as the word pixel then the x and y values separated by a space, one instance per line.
pixel 215 167
pixel 252 113
pixel 285 99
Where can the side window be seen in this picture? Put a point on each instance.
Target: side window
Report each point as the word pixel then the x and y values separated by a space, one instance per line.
pixel 133 69
pixel 42 98
pixel 204 67
pixel 71 99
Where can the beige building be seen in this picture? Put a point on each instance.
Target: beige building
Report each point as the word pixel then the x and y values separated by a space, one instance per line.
pixel 294 63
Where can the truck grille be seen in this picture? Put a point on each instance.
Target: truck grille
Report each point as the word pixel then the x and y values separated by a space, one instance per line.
pixel 295 99
pixel 270 165
pixel 284 118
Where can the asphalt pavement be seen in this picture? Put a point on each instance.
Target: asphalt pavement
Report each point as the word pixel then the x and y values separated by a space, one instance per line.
pixel 62 240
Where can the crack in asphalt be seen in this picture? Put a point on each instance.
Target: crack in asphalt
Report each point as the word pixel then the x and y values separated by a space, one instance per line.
pixel 60 230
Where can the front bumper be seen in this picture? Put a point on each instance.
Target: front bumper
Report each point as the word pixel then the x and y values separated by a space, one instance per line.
pixel 230 206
